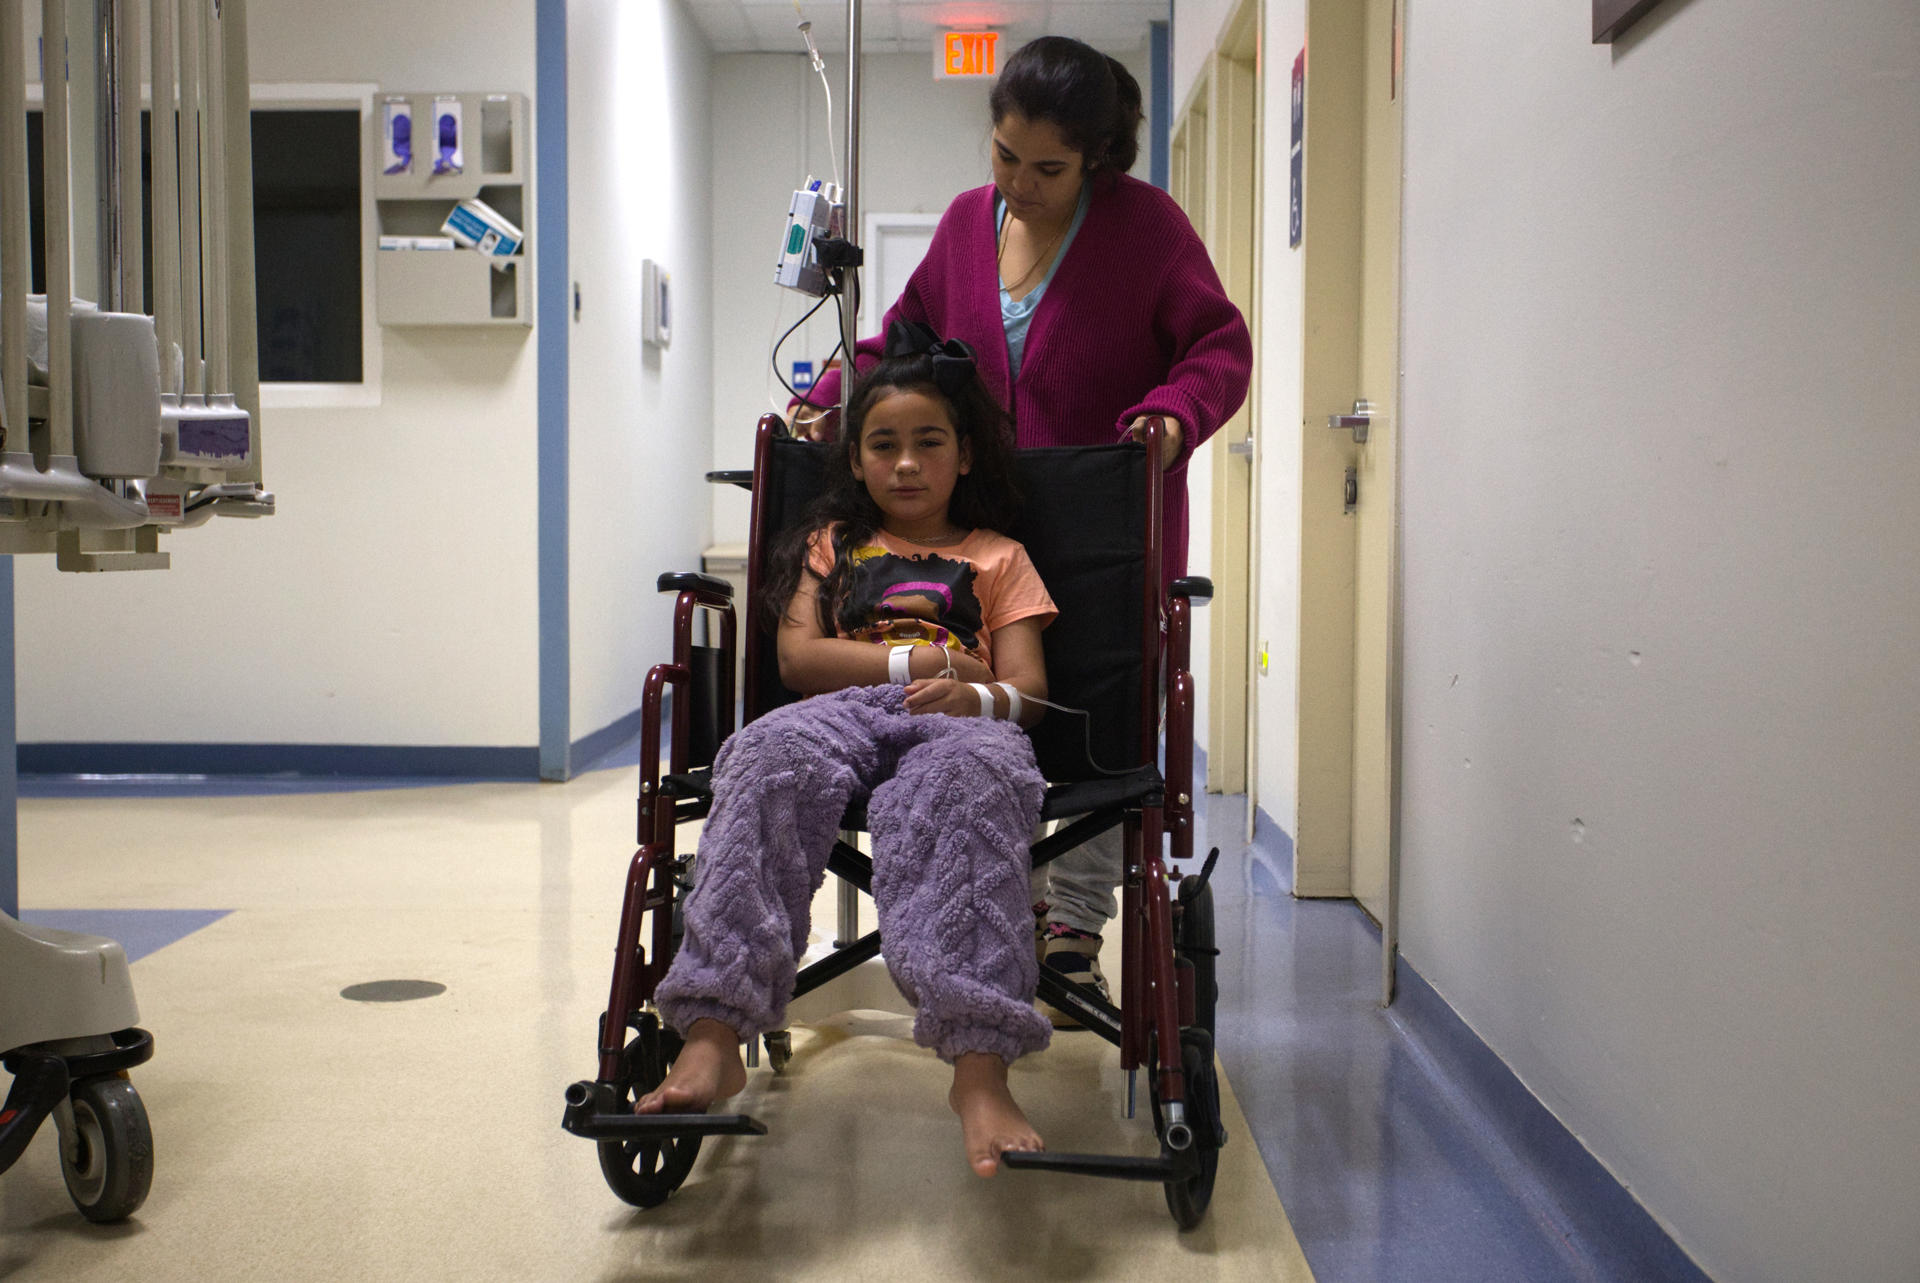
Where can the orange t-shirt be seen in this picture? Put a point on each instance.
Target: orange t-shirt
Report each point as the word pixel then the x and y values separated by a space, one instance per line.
pixel 900 593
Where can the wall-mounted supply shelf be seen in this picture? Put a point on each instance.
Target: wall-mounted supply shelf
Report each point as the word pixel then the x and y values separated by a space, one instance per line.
pixel 457 286
pixel 451 287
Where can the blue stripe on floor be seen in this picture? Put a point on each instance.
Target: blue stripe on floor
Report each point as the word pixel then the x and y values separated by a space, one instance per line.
pixel 138 931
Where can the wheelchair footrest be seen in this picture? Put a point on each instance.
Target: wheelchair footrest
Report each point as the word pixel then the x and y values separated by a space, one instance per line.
pixel 662 1126
pixel 1120 1167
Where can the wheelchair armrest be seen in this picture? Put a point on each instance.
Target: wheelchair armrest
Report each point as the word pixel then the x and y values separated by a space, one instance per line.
pixel 1194 587
pixel 681 581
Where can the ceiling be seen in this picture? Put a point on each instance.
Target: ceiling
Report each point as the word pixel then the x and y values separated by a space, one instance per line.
pixel 908 26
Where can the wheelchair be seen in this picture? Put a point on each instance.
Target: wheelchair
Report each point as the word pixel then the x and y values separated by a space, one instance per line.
pixel 1118 648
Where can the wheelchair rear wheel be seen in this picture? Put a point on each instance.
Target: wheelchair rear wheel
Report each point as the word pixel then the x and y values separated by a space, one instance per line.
pixel 644 1173
pixel 1189 1195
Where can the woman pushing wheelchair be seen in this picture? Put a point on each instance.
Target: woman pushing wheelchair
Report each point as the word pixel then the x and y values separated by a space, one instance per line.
pixel 1093 306
pixel 913 627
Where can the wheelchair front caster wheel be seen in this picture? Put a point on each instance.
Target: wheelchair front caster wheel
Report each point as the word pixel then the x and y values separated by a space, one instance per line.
pixel 645 1172
pixel 107 1155
pixel 779 1050
pixel 1189 1195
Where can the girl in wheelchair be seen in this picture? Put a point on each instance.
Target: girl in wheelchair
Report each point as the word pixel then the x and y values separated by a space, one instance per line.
pixel 913 628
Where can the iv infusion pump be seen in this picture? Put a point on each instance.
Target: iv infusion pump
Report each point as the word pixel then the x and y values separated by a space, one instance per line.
pixel 818 210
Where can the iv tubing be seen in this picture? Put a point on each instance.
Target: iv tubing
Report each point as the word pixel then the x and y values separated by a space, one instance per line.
pixel 820 69
pixel 833 154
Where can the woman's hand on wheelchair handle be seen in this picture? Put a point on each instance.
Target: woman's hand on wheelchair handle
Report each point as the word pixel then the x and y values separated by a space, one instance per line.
pixel 813 423
pixel 1170 443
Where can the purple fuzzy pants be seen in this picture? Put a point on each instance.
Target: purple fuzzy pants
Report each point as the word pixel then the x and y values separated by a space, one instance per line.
pixel 951 805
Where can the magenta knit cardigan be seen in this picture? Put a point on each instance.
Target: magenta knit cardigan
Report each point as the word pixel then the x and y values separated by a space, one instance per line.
pixel 1134 322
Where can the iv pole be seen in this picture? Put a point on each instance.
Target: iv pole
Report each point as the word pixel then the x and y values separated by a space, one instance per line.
pixel 850 275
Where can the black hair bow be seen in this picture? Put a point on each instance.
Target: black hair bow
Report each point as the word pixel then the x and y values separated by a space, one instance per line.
pixel 953 363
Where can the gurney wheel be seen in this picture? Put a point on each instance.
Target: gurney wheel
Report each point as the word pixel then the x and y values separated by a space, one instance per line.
pixel 1189 1195
pixel 108 1160
pixel 645 1172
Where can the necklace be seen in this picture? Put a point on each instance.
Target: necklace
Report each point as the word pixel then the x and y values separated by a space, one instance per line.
pixel 1006 236
pixel 957 536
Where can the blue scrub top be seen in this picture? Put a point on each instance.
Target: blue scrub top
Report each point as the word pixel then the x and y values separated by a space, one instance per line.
pixel 1017 316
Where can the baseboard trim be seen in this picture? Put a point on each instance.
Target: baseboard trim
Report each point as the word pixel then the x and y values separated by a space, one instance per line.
pixel 372 761
pixel 1587 1206
pixel 1613 1230
pixel 589 752
pixel 78 765
pixel 1273 850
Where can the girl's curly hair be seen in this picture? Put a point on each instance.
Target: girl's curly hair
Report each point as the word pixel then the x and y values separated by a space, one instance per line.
pixel 984 496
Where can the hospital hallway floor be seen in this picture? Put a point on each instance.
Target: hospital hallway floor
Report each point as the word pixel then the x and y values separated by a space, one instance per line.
pixel 299 1134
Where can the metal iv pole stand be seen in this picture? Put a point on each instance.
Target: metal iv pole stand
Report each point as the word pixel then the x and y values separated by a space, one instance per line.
pixel 850 275
pixel 849 899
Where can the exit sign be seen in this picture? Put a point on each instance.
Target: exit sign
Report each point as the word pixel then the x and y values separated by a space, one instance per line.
pixel 965 55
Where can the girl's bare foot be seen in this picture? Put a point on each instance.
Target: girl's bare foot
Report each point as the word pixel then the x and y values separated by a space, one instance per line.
pixel 707 1071
pixel 990 1122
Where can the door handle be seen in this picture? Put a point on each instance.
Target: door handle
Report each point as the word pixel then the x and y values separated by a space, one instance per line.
pixel 1358 421
pixel 1242 447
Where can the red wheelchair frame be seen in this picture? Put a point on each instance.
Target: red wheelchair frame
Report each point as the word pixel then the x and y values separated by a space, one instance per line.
pixel 1165 1019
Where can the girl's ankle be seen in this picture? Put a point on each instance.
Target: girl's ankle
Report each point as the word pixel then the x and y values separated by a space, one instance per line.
pixel 979 1068
pixel 718 1032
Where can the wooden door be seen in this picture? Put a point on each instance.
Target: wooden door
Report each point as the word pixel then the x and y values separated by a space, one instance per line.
pixel 1215 176
pixel 1349 631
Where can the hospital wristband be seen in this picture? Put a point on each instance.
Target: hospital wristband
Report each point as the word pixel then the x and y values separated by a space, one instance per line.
pixel 985 692
pixel 1013 700
pixel 900 665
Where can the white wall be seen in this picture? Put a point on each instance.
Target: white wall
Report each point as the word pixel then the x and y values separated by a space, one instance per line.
pixel 397 582
pixel 922 143
pixel 1662 689
pixel 639 187
pixel 1197 28
pixel 1278 457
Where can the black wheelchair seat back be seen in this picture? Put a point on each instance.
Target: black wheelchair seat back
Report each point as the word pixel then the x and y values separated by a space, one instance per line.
pixel 1083 523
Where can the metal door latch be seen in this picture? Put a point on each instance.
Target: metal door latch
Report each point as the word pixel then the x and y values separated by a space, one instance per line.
pixel 1353 489
pixel 1361 417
